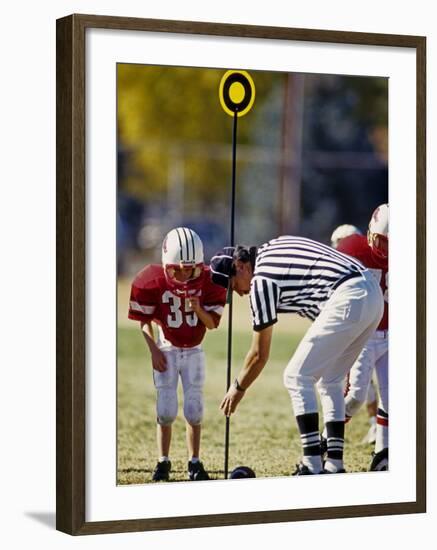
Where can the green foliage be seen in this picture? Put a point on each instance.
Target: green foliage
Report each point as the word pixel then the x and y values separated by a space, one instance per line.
pixel 160 108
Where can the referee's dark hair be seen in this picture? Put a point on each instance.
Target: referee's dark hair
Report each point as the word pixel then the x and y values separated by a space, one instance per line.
pixel 245 254
pixel 222 265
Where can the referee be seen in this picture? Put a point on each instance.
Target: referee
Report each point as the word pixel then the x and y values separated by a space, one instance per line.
pixel 343 299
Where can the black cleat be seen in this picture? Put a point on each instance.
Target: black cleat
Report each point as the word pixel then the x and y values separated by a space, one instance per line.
pixel 196 472
pixel 379 461
pixel 302 470
pixel 161 471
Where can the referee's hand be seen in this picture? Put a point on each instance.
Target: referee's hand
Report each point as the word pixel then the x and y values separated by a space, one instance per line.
pixel 231 400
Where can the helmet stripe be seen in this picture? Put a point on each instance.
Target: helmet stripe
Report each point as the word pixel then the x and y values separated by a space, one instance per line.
pixel 180 242
pixel 192 244
pixel 186 243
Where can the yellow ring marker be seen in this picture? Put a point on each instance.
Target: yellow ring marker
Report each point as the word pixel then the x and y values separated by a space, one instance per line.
pixel 237 93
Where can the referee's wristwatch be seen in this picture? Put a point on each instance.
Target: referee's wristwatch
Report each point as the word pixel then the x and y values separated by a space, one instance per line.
pixel 238 387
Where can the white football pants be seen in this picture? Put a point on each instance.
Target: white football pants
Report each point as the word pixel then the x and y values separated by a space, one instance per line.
pixel 374 355
pixel 331 346
pixel 189 364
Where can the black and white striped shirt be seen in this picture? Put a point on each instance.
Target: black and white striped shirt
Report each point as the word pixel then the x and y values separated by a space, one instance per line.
pixel 296 275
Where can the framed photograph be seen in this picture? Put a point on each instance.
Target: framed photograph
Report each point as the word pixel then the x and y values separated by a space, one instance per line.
pixel 197 159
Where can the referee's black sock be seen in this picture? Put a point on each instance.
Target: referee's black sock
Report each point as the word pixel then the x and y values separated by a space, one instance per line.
pixel 335 441
pixel 308 425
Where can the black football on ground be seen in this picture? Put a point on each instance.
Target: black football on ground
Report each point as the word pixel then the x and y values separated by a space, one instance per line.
pixel 242 472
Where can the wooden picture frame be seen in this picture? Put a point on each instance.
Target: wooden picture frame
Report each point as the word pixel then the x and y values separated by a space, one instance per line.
pixel 71 273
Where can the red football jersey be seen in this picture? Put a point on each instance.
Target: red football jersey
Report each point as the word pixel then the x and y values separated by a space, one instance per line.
pixel 153 299
pixel 358 247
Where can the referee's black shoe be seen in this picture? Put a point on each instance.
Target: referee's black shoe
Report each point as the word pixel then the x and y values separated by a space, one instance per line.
pixel 196 472
pixel 303 470
pixel 162 471
pixel 379 461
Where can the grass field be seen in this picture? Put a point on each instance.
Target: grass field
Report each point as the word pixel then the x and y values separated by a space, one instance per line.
pixel 263 432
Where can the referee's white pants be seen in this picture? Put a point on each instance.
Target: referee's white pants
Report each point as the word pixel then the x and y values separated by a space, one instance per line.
pixel 189 364
pixel 331 346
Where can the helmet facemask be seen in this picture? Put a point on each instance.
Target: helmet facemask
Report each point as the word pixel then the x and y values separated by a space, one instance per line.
pixel 181 276
pixel 379 245
pixel 377 235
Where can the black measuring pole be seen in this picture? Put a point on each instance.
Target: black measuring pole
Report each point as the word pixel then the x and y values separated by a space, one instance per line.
pixel 234 175
pixel 232 241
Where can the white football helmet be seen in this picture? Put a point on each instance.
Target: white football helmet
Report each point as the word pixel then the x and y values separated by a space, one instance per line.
pixel 182 248
pixel 343 231
pixel 377 235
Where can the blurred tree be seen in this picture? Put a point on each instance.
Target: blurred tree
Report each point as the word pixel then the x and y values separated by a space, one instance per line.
pixel 174 143
pixel 160 108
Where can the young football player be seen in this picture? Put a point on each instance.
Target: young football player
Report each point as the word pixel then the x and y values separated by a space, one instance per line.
pixel 343 231
pixel 340 233
pixel 180 298
pixel 372 251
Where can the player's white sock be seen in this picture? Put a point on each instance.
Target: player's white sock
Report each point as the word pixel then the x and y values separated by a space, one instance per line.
pixel 313 463
pixel 333 465
pixel 194 459
pixel 164 459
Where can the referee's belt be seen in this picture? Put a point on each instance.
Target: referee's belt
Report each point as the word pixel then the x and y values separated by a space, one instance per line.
pixel 352 275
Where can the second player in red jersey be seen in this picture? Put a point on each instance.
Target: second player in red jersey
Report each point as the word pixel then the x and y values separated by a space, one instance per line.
pixel 358 247
pixel 181 299
pixel 372 251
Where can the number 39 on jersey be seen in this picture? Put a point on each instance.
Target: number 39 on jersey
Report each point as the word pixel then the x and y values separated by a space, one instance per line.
pixel 154 299
pixel 179 310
